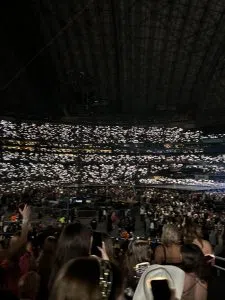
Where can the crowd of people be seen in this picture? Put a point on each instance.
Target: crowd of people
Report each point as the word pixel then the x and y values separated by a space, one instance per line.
pixel 173 207
pixel 97 134
pixel 156 243
pixel 35 168
pixel 54 154
pixel 172 260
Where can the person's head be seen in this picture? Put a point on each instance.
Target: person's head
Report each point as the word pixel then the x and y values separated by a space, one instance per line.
pixel 193 260
pixel 29 285
pixel 74 242
pixel 88 278
pixel 50 244
pixel 191 232
pixel 139 251
pixel 170 235
pixel 46 259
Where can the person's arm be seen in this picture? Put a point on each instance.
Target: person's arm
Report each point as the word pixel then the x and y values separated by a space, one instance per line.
pixel 25 213
pixel 103 252
pixel 219 247
pixel 207 248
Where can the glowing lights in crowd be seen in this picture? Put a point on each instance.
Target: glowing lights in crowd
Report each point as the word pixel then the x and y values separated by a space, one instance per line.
pixel 55 154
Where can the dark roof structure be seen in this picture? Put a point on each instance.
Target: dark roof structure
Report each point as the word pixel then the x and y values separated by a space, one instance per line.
pixel 134 58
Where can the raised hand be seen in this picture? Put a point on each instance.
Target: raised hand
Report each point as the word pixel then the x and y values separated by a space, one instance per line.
pixel 103 252
pixel 25 213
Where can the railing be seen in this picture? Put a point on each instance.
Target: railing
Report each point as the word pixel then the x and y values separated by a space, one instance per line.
pixel 82 214
pixel 219 268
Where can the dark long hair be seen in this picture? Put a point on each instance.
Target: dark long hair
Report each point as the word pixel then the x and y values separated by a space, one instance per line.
pixel 45 263
pixel 80 279
pixel 74 242
pixel 193 261
pixel 192 231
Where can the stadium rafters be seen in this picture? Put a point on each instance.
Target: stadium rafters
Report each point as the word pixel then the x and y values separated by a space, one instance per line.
pixel 138 58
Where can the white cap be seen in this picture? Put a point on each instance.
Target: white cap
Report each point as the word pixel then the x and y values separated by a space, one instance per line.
pixel 174 275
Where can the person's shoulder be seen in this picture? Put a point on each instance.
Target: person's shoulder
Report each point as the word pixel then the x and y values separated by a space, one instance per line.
pixel 207 247
pixel 159 248
pixel 207 244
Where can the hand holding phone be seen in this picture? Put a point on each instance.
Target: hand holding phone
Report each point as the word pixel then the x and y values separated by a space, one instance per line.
pixel 96 243
pixel 104 254
pixel 140 268
pixel 210 259
pixel 98 247
pixel 161 290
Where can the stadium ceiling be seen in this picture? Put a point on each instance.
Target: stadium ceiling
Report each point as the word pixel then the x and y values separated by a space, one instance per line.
pixel 158 58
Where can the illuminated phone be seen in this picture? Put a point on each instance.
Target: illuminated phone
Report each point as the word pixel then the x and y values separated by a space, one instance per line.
pixel 97 242
pixel 140 268
pixel 160 289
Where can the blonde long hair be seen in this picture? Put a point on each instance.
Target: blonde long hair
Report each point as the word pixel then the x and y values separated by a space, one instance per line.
pixel 170 235
pixel 191 232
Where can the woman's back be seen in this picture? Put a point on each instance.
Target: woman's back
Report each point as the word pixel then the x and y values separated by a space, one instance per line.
pixel 169 251
pixel 194 288
pixel 196 275
pixel 169 254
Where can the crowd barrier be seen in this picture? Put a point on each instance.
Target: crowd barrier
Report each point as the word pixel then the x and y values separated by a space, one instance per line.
pixel 217 267
pixel 59 212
